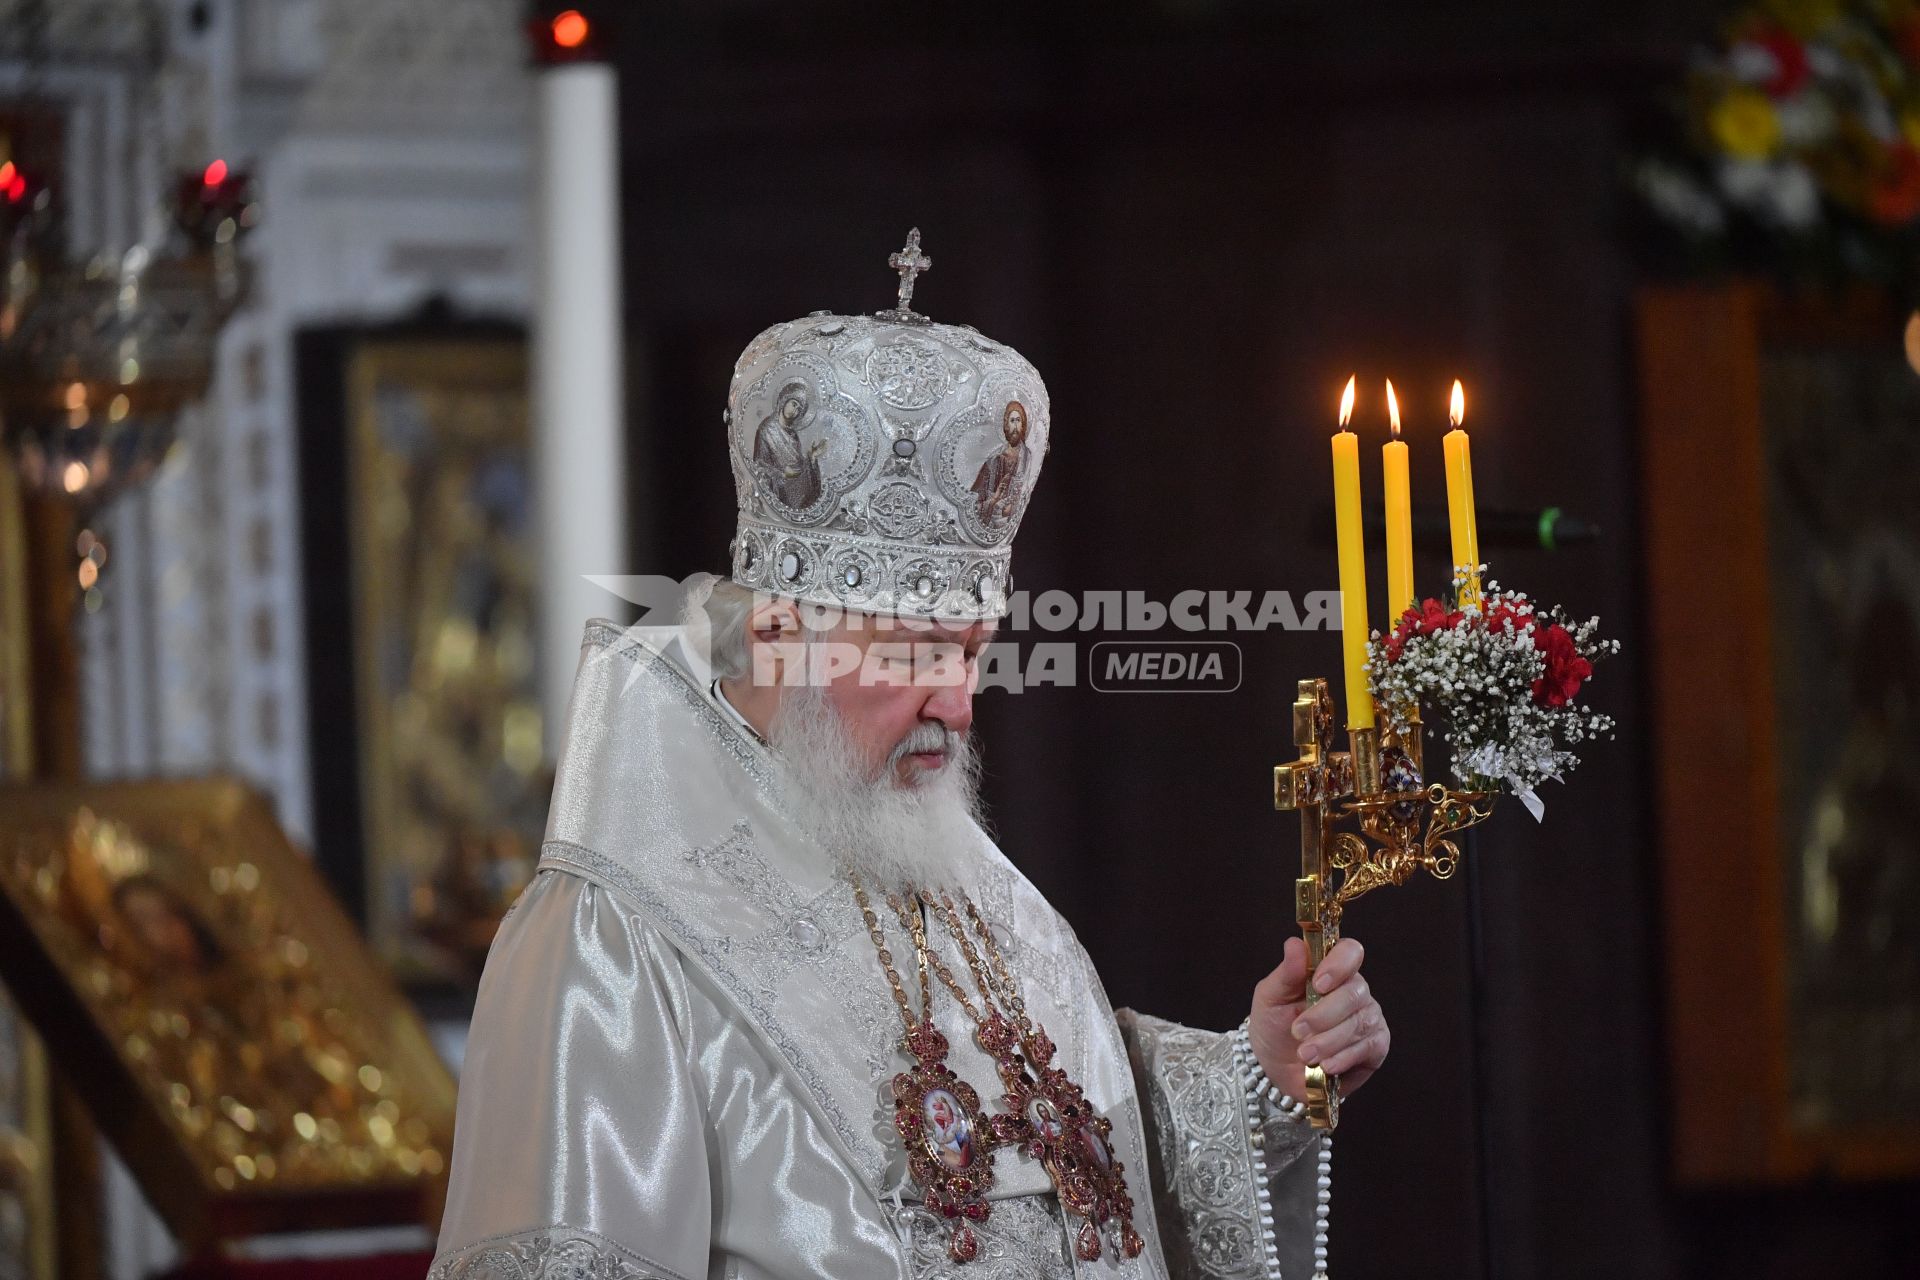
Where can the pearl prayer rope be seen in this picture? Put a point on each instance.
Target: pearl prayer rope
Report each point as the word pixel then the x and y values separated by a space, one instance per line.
pixel 1261 1090
pixel 1324 1183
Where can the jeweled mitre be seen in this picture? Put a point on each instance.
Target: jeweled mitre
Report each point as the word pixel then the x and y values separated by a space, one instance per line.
pixel 883 462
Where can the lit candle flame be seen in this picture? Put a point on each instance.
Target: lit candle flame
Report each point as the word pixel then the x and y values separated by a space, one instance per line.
pixel 1346 401
pixel 1457 411
pixel 1393 410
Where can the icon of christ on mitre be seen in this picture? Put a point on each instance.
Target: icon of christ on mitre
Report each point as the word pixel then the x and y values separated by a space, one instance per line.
pixel 775 1004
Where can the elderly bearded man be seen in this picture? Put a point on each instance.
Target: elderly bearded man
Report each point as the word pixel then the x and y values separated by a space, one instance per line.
pixel 775 1005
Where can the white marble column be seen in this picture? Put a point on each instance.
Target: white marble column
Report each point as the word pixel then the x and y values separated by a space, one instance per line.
pixel 579 414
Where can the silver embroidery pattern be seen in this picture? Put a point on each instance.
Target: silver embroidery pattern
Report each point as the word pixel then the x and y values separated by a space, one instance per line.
pixel 608 639
pixel 1205 1194
pixel 549 1253
pixel 803 931
pixel 1023 1239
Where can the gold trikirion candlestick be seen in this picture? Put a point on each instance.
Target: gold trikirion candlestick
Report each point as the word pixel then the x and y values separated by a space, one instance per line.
pixel 1403 824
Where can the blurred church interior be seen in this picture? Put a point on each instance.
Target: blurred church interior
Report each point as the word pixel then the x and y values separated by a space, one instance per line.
pixel 345 344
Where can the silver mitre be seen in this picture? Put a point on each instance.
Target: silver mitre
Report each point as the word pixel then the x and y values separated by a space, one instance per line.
pixel 883 462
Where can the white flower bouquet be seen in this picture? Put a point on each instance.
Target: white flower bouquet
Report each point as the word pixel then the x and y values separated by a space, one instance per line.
pixel 1503 676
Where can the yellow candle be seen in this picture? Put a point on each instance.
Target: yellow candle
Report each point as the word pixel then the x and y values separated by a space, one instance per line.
pixel 1466 538
pixel 1353 567
pixel 1393 457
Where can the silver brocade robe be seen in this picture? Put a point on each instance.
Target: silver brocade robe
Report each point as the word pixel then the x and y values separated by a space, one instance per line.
pixel 681 1055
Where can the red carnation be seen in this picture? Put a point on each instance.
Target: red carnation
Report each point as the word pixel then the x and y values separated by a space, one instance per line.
pixel 1566 670
pixel 1509 615
pixel 1431 616
pixel 1791 71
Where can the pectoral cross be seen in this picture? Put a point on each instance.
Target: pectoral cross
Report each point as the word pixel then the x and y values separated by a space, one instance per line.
pixel 909 262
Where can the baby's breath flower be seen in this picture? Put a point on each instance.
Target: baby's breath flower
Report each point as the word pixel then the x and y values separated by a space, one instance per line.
pixel 1482 685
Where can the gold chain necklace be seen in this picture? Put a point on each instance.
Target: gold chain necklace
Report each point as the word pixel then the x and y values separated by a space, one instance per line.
pixel 948 1139
pixel 1047 1114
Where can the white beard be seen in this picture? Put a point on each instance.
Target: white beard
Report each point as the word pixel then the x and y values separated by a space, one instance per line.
pixel 889 834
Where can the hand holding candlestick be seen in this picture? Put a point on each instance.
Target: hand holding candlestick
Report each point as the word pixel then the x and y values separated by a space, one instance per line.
pixel 1503 674
pixel 1378 782
pixel 1368 817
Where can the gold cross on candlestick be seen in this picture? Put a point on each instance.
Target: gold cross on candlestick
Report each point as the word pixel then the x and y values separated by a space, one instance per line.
pixel 1310 785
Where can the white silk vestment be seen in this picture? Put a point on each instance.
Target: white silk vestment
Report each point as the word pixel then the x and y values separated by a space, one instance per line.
pixel 681 1056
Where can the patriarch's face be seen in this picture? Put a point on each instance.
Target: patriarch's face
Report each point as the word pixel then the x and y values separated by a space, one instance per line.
pixel 904 692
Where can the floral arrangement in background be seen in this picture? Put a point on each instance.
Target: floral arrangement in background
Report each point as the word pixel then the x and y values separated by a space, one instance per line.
pixel 1797 142
pixel 1504 676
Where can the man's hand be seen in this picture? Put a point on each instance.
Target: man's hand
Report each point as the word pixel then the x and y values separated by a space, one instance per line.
pixel 1344 1032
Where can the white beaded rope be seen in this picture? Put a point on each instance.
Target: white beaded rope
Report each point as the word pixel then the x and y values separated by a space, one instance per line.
pixel 1254 1076
pixel 1260 1089
pixel 1323 1196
